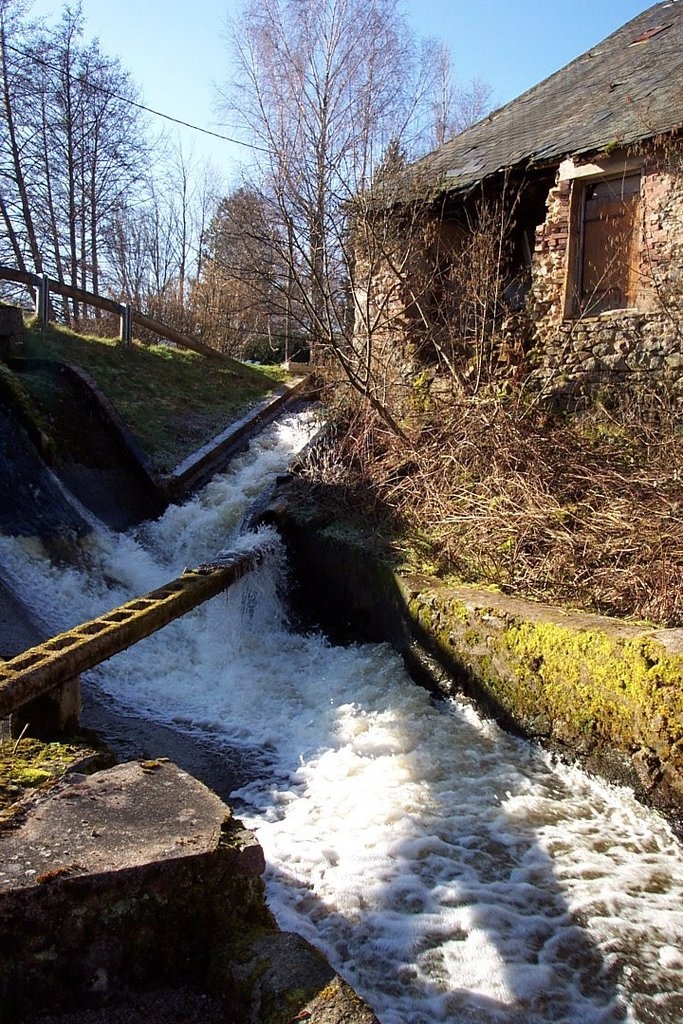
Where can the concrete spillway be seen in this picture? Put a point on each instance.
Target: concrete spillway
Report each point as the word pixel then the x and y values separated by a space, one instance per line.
pixel 62 658
pixel 453 872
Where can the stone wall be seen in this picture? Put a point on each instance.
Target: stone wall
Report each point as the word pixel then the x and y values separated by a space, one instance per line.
pixel 597 349
pixel 642 340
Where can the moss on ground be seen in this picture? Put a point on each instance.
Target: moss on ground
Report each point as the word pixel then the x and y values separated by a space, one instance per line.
pixel 27 764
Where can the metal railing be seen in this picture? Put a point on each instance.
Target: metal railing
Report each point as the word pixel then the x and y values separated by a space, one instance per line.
pixel 43 285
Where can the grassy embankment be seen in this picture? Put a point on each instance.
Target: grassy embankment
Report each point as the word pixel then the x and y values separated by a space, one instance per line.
pixel 173 400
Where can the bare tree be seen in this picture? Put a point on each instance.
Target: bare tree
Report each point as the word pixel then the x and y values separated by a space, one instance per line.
pixel 454 106
pixel 190 197
pixel 94 152
pixel 156 248
pixel 321 88
pixel 73 149
pixel 128 243
pixel 240 296
pixel 15 202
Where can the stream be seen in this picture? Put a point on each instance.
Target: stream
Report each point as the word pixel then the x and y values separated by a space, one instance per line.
pixel 449 871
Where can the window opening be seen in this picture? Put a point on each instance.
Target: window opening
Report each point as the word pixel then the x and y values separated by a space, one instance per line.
pixel 609 244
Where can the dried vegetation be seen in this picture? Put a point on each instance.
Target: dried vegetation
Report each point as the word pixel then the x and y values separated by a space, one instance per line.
pixel 577 505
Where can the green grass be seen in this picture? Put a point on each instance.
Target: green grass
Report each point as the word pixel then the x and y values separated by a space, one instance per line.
pixel 173 400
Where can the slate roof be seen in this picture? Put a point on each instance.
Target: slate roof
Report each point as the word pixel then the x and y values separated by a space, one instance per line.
pixel 624 89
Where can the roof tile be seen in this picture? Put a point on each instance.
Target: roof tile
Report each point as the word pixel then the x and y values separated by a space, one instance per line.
pixel 625 89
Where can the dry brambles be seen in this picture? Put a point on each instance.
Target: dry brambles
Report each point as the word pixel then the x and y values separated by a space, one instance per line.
pixel 580 506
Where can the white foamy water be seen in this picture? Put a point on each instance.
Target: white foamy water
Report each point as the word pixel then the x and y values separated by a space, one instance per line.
pixel 449 871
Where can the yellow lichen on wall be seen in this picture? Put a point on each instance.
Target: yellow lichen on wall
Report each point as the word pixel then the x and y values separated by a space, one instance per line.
pixel 626 692
pixel 588 683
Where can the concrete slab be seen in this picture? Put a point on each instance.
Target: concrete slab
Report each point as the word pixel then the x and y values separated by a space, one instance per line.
pixel 133 878
pixel 133 895
pixel 122 818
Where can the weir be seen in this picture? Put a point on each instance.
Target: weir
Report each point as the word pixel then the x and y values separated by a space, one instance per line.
pixel 59 660
pixel 449 871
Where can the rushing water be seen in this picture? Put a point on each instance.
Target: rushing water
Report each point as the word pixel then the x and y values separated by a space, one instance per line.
pixel 449 871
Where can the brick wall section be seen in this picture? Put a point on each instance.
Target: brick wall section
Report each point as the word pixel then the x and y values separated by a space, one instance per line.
pixel 644 340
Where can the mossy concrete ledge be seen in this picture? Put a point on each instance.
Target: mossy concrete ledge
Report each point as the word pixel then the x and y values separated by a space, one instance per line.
pixel 138 879
pixel 597 689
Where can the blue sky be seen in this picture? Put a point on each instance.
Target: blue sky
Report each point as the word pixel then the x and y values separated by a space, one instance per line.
pixel 177 53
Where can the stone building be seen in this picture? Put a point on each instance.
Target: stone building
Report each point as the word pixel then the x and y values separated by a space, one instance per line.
pixel 586 172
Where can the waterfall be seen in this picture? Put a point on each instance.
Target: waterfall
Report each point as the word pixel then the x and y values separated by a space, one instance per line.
pixel 449 871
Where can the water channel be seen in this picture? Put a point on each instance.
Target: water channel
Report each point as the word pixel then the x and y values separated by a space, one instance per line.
pixel 449 871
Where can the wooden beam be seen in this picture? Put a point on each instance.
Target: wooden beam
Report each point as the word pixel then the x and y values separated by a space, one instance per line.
pixel 128 315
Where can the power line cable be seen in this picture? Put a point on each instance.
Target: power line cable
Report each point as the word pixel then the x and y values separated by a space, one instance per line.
pixel 83 79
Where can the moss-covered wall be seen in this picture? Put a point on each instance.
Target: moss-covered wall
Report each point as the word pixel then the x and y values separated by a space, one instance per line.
pixel 593 688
